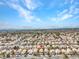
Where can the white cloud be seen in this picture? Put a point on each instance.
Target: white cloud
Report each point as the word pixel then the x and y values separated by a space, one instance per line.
pixel 63 12
pixel 76 11
pixel 1 3
pixel 71 1
pixel 32 4
pixel 65 17
pixel 25 13
pixel 71 9
pixel 76 17
pixel 67 13
pixel 4 25
pixel 53 19
pixel 38 19
pixel 68 1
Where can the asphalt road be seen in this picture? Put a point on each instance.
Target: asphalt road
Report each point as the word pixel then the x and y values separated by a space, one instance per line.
pixel 44 57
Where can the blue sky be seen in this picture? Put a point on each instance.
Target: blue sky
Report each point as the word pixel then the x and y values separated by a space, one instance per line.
pixel 30 14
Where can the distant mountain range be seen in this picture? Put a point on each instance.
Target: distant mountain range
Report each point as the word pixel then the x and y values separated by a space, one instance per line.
pixel 11 30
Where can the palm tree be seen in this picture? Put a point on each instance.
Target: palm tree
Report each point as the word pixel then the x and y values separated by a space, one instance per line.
pixel 12 53
pixel 33 58
pixel 8 55
pixel 78 42
pixel 25 54
pixel 65 56
pixel 3 54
